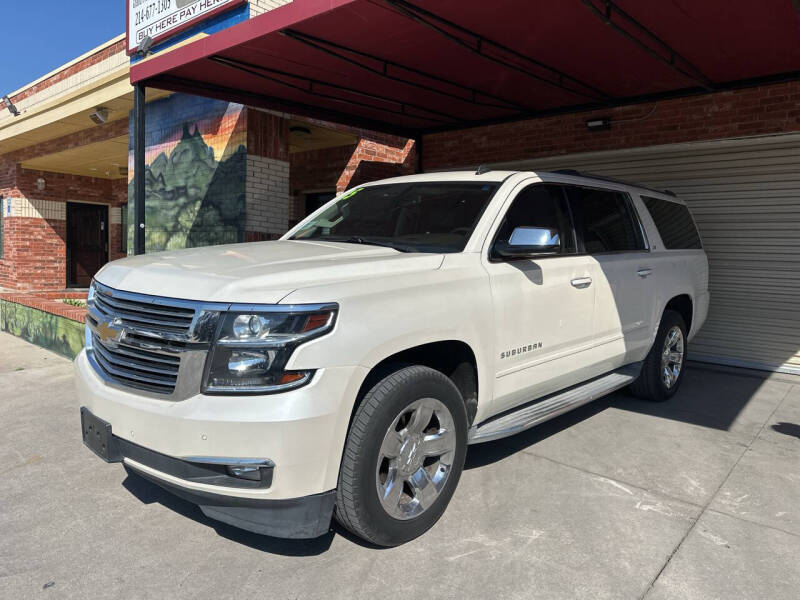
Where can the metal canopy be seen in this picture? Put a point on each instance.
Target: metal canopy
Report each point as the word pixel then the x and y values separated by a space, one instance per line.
pixel 414 67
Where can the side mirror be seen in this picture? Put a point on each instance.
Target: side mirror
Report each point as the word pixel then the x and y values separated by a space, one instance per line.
pixel 526 242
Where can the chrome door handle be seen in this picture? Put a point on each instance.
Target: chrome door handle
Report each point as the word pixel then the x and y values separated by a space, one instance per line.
pixel 581 282
pixel 644 272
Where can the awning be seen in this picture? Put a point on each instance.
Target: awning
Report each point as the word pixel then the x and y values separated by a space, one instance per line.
pixel 408 68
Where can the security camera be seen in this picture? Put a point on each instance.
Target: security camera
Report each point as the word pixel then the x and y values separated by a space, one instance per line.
pixel 99 116
pixel 144 46
pixel 10 106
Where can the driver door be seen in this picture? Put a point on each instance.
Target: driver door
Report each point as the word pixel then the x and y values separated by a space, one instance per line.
pixel 543 305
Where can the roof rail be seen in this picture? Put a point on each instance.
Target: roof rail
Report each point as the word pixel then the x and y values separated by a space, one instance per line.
pixel 517 165
pixel 577 173
pixel 459 168
pixel 526 165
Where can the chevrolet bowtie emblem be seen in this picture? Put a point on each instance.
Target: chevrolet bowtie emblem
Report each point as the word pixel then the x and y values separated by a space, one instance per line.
pixel 110 332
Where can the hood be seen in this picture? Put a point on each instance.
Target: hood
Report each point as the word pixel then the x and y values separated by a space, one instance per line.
pixel 257 272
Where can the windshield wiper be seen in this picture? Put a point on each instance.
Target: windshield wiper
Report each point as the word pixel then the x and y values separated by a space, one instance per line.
pixel 368 242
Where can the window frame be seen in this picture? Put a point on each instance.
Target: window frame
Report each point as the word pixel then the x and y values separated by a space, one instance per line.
pixel 658 229
pixel 630 210
pixel 292 233
pixel 563 210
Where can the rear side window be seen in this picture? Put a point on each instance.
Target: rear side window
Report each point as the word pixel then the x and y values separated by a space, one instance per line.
pixel 603 221
pixel 674 224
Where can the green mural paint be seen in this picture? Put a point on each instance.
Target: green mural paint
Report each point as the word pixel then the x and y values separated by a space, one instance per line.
pixel 192 197
pixel 55 333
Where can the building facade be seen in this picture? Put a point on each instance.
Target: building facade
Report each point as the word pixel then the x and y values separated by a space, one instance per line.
pixel 227 169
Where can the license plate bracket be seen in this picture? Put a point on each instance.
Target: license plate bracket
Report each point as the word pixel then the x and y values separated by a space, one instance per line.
pixel 98 438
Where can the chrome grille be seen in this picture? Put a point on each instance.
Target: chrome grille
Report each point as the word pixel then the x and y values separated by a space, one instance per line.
pixel 136 367
pixel 143 314
pixel 151 343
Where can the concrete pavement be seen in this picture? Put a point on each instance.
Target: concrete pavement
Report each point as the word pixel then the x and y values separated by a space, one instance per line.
pixel 695 498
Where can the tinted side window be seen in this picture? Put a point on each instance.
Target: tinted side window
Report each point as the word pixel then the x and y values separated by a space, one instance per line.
pixel 674 224
pixel 538 205
pixel 603 221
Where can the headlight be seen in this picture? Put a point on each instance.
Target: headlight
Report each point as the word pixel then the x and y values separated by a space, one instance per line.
pixel 253 347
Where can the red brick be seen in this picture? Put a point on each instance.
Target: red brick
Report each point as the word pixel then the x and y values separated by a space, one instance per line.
pixel 766 109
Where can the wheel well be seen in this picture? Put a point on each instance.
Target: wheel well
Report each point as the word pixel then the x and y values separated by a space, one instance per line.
pixel 452 358
pixel 682 305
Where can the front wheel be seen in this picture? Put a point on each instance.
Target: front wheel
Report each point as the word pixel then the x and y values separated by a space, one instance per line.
pixel 662 371
pixel 403 456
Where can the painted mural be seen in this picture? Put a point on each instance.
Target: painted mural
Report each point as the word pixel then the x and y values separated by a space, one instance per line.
pixel 196 161
pixel 50 331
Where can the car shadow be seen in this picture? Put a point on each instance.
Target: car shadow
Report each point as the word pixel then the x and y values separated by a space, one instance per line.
pixel 148 492
pixel 707 398
pixel 480 455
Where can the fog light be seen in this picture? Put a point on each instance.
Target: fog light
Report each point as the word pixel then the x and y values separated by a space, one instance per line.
pixel 252 473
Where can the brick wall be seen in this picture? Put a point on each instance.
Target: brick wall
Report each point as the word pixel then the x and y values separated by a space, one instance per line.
pixel 119 199
pixel 267 134
pixel 374 156
pixel 267 206
pixel 35 232
pixel 747 112
pixel 258 7
pixel 267 198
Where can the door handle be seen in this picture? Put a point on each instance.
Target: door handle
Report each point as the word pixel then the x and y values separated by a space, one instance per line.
pixel 581 282
pixel 644 272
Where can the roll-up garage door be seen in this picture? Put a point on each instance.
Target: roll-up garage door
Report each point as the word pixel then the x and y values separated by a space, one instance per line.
pixel 745 196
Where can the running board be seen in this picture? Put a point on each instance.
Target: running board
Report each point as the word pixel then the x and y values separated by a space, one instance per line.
pixel 543 410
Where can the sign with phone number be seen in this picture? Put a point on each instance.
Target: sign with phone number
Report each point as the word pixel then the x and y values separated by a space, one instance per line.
pixel 160 19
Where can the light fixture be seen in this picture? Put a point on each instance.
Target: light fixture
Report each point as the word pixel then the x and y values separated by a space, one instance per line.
pixel 598 123
pixel 99 115
pixel 143 49
pixel 41 184
pixel 10 106
pixel 121 171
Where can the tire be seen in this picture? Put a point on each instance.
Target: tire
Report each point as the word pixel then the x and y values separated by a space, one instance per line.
pixel 389 421
pixel 652 382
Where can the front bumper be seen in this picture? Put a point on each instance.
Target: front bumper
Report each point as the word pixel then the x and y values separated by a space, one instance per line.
pixel 305 517
pixel 301 432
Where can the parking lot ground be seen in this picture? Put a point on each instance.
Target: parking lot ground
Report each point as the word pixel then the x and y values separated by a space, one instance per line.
pixel 695 498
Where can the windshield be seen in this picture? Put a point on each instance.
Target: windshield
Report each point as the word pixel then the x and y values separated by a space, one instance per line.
pixel 409 217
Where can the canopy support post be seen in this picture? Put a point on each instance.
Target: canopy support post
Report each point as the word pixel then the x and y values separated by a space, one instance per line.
pixel 138 167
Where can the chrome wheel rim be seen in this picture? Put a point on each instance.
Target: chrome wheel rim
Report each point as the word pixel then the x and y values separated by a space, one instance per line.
pixel 672 357
pixel 415 458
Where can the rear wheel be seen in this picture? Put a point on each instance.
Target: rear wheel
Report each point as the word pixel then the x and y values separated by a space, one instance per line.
pixel 662 371
pixel 403 456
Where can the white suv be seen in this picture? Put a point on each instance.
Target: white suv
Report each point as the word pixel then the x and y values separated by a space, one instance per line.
pixel 344 368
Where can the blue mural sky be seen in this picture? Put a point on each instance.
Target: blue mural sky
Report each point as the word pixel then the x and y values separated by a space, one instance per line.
pixel 42 35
